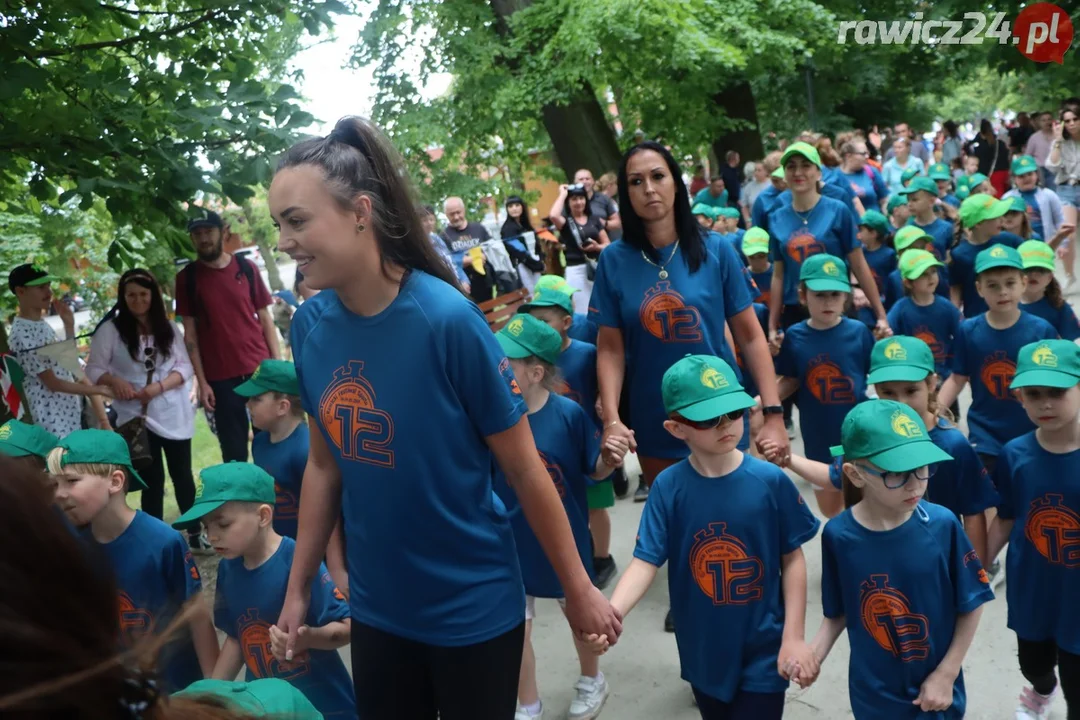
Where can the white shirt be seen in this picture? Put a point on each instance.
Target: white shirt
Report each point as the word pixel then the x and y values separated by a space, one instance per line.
pixel 169 415
pixel 59 413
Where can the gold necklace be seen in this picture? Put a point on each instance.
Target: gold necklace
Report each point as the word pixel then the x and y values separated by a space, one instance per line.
pixel 663 272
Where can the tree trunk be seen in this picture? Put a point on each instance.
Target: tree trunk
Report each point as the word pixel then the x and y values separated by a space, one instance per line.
pixel 266 249
pixel 738 102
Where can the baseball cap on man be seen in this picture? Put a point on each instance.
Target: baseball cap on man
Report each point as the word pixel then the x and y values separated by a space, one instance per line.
pixel 900 358
pixel 875 221
pixel 271 376
pixel 824 273
pixel 939 171
pixel 525 336
pixel 1036 255
pixel 981 207
pixel 755 242
pixel 998 256
pixel 702 387
pixel 204 218
pixel 888 434
pixel 28 276
pixel 1023 164
pixel 99 447
pixel 265 697
pixel 19 439
pixel 227 482
pixel 921 183
pixel 914 263
pixel 1047 363
pixel 560 296
pixel 807 150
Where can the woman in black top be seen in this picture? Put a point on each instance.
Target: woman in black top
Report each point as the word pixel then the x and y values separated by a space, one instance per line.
pixel 529 265
pixel 572 216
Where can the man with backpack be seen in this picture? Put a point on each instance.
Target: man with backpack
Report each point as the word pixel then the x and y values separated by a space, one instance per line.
pixel 228 328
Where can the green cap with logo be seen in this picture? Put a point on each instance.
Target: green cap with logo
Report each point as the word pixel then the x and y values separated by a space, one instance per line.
pixel 998 256
pixel 916 262
pixel 755 242
pixel 702 387
pixel 981 207
pixel 702 209
pixel 939 171
pixel 1024 164
pixel 219 484
pixel 19 439
pixel 900 358
pixel 729 212
pixel 824 272
pixel 553 281
pixel 267 697
pixel 908 235
pixel 271 376
pixel 807 150
pixel 778 173
pixel 908 175
pixel 560 296
pixel 1016 204
pixel 921 183
pixel 1036 255
pixel 888 434
pixel 875 221
pixel 1047 363
pixel 895 201
pixel 101 447
pixel 525 336
pixel 976 180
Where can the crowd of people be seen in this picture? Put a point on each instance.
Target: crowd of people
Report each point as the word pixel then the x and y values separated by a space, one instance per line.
pixel 417 481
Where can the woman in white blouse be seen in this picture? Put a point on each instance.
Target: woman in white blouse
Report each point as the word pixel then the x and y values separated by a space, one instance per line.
pixel 134 340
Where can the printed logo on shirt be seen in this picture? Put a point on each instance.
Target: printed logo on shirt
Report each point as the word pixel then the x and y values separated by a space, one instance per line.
pixel 904 425
pixel 1054 529
pixel 937 348
pixel 802 244
pixel 135 622
pixel 192 568
pixel 508 375
pixel 666 316
pixel 1043 356
pixel 348 414
pixel 888 618
pixel 828 383
pixel 997 374
pixel 971 557
pixel 254 635
pixel 286 504
pixel 556 474
pixel 328 581
pixel 724 569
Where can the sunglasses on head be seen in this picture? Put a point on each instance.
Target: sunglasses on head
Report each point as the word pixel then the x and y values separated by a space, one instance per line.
pixel 715 422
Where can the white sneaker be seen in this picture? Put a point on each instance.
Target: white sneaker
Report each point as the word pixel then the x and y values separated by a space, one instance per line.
pixel 522 714
pixel 1033 706
pixel 592 693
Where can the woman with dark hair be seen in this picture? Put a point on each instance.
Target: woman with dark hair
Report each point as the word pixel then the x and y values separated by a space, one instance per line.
pixel 951 147
pixel 582 236
pixel 138 353
pixel 518 234
pixel 411 403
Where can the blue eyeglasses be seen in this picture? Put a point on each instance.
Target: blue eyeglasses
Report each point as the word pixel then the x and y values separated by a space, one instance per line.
pixel 896 480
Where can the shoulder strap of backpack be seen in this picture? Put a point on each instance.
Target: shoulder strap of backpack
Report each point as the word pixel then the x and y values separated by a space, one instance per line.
pixel 248 271
pixel 189 273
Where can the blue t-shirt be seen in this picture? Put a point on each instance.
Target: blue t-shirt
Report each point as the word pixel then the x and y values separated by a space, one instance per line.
pixel 962 484
pixel 763 280
pixel 962 270
pixel 899 592
pixel 155 576
pixel 882 262
pixel 1033 213
pixel 664 320
pixel 404 400
pixel 835 186
pixel 763 205
pixel 583 329
pixel 935 324
pixel 249 601
pixel 1040 490
pixel 569 445
pixel 868 186
pixel 829 228
pixel 941 231
pixel 1063 318
pixel 285 461
pixel 831 366
pixel 725 538
pixel 577 369
pixel 988 358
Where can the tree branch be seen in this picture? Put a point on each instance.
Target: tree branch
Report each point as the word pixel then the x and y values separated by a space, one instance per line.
pixel 57 52
pixel 106 6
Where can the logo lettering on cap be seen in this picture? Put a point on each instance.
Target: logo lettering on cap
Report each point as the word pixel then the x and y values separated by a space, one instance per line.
pixel 713 378
pixel 255 374
pixel 516 327
pixel 5 432
pixel 905 426
pixel 830 268
pixel 198 486
pixel 998 252
pixel 895 351
pixel 989 202
pixel 1043 356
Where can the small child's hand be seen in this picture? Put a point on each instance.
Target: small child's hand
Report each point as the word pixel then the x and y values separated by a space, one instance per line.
pixel 769 449
pixel 797 662
pixel 279 639
pixel 936 693
pixel 615 449
pixel 596 644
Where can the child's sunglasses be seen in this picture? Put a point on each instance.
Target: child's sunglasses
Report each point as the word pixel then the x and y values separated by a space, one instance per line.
pixel 715 422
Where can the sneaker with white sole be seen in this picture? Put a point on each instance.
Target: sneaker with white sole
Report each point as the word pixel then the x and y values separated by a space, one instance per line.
pixel 523 714
pixel 1033 706
pixel 591 695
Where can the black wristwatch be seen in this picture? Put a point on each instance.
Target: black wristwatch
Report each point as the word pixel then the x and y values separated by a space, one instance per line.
pixel 773 410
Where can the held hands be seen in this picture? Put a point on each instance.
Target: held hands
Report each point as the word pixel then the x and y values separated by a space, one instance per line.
pixel 590 614
pixel 279 644
pixel 936 692
pixel 859 298
pixel 149 392
pixel 122 389
pixel 776 339
pixel 882 330
pixel 770 450
pixel 290 623
pixel 798 663
pixel 614 450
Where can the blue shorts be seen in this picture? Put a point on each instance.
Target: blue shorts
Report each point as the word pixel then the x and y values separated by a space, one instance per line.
pixel 1070 195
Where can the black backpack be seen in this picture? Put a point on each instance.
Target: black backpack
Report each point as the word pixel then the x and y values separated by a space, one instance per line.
pixel 246 269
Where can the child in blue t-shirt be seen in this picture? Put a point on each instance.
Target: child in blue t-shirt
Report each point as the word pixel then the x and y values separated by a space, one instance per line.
pixel 923 313
pixel 568 440
pixel 1038 476
pixel 732 528
pixel 873 232
pixel 1042 292
pixel 755 248
pixel 980 216
pixel 823 361
pixel 582 327
pixel 906 239
pixel 922 198
pixel 235 503
pixel 898 573
pixel 155 572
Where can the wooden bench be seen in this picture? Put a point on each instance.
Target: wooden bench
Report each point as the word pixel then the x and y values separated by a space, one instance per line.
pixel 498 311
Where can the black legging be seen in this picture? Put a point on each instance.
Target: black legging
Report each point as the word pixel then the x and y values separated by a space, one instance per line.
pixel 177 453
pixel 1037 662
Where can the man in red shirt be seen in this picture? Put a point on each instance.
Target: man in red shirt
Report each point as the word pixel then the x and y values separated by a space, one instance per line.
pixel 228 328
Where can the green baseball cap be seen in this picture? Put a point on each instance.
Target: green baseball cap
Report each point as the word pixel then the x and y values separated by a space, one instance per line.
pixel 875 221
pixel 755 241
pixel 702 387
pixel 560 296
pixel 19 439
pixel 908 235
pixel 525 336
pixel 1016 204
pixel 268 697
pixel 939 171
pixel 921 183
pixel 998 256
pixel 962 191
pixel 900 358
pixel 980 207
pixel 1024 164
pixel 824 272
pixel 1048 363
pixel 895 201
pixel 908 175
pixel 271 376
pixel 729 212
pixel 551 281
pixel 976 180
pixel 888 434
pixel 778 173
pixel 914 263
pixel 219 484
pixel 102 447
pixel 1034 254
pixel 807 150
pixel 702 209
